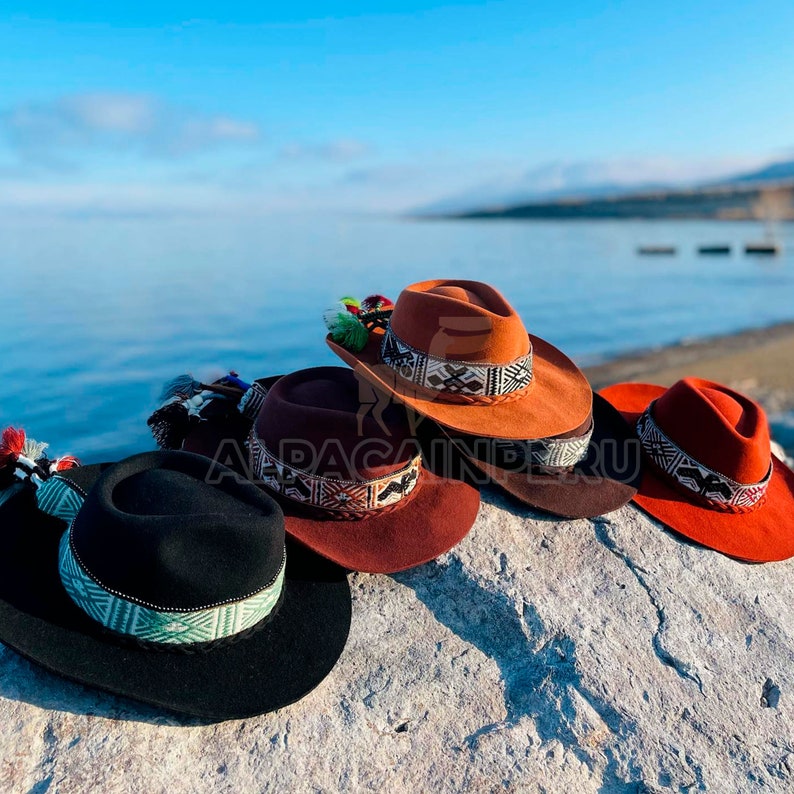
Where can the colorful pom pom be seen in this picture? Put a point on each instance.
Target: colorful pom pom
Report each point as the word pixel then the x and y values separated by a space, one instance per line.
pixel 33 450
pixel 180 386
pixel 11 443
pixel 374 303
pixel 24 457
pixel 350 320
pixel 64 463
pixel 234 379
pixel 170 425
pixel 345 327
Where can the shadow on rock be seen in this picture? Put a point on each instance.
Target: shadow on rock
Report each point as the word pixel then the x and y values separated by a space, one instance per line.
pixel 538 667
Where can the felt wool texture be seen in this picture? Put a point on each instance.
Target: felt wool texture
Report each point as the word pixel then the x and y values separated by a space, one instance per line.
pixel 471 322
pixel 604 480
pixel 728 432
pixel 323 420
pixel 271 665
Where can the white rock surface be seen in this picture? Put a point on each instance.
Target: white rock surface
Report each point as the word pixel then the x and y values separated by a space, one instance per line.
pixel 584 656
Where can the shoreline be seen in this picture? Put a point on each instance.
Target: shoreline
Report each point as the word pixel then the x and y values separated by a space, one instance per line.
pixel 758 362
pixel 727 349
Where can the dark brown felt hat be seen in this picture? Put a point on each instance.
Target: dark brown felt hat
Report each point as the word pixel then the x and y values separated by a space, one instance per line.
pixel 587 472
pixel 458 353
pixel 709 472
pixel 349 476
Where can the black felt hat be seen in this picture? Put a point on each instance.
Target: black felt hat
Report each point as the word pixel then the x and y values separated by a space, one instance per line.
pixel 165 578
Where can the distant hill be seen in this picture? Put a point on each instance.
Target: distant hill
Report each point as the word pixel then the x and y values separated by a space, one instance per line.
pixel 728 202
pixel 742 196
pixel 772 173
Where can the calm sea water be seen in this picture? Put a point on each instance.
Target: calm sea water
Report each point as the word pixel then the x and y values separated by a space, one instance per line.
pixel 95 314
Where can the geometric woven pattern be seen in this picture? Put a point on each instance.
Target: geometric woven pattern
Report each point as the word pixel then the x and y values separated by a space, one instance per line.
pixel 454 377
pixel 253 400
pixel 146 622
pixel 559 453
pixel 60 498
pixel 707 483
pixel 358 496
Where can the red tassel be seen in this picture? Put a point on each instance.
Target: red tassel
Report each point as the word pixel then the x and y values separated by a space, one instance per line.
pixel 11 444
pixel 374 302
pixel 66 462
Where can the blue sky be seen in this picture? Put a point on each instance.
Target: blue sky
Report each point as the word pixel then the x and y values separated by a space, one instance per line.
pixel 380 106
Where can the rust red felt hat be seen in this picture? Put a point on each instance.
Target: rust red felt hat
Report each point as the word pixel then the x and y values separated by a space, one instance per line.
pixel 342 461
pixel 709 473
pixel 457 352
pixel 587 472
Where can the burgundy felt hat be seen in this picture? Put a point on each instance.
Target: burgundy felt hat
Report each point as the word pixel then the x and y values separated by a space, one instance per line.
pixel 709 472
pixel 458 352
pixel 342 460
pixel 587 472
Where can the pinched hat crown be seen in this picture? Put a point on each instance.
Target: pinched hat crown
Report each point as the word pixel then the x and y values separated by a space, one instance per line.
pixel 711 440
pixel 460 340
pixel 328 441
pixel 460 321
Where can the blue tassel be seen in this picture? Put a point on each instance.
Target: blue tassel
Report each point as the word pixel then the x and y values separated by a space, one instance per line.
pixel 232 378
pixel 180 385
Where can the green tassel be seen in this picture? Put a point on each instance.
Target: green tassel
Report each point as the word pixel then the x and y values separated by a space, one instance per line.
pixel 345 327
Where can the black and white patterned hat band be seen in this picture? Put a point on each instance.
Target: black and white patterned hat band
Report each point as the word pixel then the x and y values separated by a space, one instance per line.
pixel 328 493
pixel 552 453
pixel 462 378
pixel 708 484
pixel 253 400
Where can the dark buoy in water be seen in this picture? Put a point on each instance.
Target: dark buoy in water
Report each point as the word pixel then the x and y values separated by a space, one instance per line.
pixel 655 250
pixel 714 249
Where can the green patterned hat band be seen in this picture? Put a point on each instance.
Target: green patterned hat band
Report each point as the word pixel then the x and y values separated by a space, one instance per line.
pixel 169 627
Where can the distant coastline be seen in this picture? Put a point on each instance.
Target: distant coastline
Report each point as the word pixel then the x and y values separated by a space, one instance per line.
pixel 733 202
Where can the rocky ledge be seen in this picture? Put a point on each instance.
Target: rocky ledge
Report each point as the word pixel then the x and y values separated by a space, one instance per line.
pixel 540 655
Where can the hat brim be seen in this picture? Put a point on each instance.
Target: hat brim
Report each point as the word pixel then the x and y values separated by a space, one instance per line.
pixel 437 515
pixel 271 667
pixel 558 399
pixel 604 481
pixel 765 534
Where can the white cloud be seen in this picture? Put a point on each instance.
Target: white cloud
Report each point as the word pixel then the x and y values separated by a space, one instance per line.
pixel 43 130
pixel 343 150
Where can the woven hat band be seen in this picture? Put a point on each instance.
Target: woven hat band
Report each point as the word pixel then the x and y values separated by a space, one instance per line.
pixel 551 453
pixel 711 487
pixel 472 381
pixel 150 623
pixel 327 493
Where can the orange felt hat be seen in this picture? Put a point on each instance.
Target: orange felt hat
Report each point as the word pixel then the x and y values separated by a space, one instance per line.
pixel 458 353
pixel 709 473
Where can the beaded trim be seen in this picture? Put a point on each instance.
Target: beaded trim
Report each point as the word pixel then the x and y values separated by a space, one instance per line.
pixel 710 485
pixel 357 496
pixel 468 379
